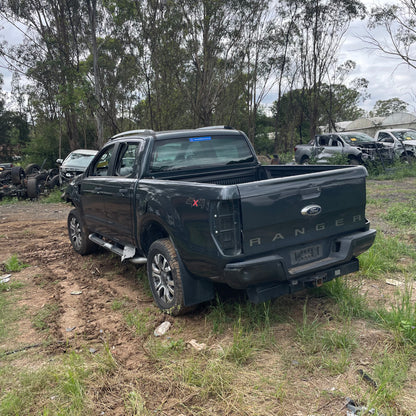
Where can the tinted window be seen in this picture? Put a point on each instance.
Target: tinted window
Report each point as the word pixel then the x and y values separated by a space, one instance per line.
pixel 199 152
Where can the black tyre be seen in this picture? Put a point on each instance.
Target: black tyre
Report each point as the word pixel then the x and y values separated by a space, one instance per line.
pixel 165 279
pixel 5 177
pixel 353 161
pixel 33 187
pixel 17 175
pixel 32 168
pixel 78 234
pixel 407 158
pixel 304 160
pixel 53 182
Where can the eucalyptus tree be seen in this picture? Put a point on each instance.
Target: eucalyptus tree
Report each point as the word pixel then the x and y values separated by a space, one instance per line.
pixel 399 23
pixel 51 52
pixel 14 129
pixel 214 51
pixel 339 99
pixel 259 42
pixel 318 32
pixel 383 108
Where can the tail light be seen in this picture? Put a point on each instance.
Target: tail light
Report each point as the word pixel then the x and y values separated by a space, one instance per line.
pixel 226 226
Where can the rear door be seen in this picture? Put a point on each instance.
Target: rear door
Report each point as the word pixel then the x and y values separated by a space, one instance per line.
pixel 119 189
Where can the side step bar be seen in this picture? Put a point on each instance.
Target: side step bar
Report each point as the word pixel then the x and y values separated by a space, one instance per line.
pixel 126 254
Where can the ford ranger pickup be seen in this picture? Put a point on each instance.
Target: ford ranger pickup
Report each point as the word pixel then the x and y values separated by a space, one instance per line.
pixel 199 209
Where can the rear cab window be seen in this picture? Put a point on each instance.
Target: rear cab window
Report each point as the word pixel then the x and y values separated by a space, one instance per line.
pixel 199 152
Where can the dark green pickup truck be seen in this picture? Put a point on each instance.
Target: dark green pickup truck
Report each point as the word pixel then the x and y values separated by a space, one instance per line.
pixel 199 209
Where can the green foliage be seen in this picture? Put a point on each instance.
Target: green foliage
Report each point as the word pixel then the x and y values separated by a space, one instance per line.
pixel 338 159
pixel 53 197
pixel 384 256
pixel 213 377
pixel 9 311
pixel 44 316
pixel 243 346
pixel 400 317
pixel 14 132
pixel 13 264
pixel 263 145
pixel 43 147
pixel 139 321
pixel 135 404
pixel 393 171
pixel 402 214
pixel 383 108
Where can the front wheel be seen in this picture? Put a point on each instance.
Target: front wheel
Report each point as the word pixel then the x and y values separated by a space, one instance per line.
pixel 165 278
pixel 353 161
pixel 407 158
pixel 78 234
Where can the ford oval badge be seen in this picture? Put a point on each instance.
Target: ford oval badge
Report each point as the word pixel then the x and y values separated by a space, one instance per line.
pixel 311 210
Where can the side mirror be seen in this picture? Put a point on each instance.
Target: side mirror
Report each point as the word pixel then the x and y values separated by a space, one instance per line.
pixel 59 161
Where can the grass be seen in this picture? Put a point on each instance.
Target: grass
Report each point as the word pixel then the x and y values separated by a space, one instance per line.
pixel 387 256
pixel 13 264
pixel 296 355
pixel 392 171
pixel 43 317
pixel 53 197
pixel 10 313
pixel 402 214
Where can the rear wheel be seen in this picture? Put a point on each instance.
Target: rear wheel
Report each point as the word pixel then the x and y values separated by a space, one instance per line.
pixel 32 168
pixel 165 278
pixel 353 161
pixel 33 187
pixel 53 182
pixel 304 160
pixel 78 234
pixel 17 175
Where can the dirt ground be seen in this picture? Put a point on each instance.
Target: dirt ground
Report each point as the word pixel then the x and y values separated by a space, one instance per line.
pixel 84 288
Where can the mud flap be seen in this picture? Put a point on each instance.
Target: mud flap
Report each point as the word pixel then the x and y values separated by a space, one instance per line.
pixel 195 290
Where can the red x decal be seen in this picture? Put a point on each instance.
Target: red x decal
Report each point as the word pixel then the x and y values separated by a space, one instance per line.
pixel 195 204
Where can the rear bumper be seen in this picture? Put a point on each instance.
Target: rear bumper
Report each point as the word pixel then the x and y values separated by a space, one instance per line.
pixel 272 269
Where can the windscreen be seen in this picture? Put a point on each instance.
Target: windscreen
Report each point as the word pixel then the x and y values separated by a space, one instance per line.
pixel 199 152
pixel 355 138
pixel 405 134
pixel 78 160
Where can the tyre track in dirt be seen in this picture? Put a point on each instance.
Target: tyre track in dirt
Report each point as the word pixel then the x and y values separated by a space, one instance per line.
pixel 83 288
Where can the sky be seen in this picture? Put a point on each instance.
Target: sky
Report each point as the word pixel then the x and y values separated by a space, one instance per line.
pixel 387 77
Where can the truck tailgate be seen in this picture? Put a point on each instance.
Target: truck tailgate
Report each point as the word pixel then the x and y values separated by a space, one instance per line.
pixel 302 217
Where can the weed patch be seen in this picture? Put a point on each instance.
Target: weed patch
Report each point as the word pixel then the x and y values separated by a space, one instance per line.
pixel 13 264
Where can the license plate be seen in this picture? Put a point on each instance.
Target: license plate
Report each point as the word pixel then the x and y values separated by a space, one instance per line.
pixel 306 254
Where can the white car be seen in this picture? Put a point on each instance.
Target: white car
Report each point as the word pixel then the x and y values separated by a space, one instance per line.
pixel 401 142
pixel 74 164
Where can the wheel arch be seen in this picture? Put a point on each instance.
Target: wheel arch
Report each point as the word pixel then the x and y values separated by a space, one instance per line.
pixel 151 231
